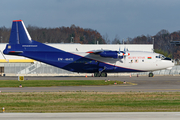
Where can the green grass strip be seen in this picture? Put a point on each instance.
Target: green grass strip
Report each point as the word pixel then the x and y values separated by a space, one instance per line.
pixel 50 83
pixel 90 102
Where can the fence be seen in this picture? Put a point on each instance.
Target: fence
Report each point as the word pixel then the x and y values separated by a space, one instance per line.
pixel 38 68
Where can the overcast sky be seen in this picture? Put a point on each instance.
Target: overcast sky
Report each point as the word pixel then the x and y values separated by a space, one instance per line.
pixel 125 18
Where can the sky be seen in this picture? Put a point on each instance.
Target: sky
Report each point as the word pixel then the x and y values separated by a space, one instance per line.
pixel 121 18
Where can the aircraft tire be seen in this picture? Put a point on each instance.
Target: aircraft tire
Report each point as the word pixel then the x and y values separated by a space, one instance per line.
pixel 96 74
pixel 151 75
pixel 106 75
pixel 103 74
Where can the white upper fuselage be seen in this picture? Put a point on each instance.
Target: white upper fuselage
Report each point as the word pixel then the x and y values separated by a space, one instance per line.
pixel 137 60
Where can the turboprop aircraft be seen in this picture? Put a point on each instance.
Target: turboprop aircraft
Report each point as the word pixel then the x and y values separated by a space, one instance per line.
pixel 99 62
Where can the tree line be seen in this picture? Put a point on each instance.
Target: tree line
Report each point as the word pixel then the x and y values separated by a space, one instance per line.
pixel 62 34
pixel 161 42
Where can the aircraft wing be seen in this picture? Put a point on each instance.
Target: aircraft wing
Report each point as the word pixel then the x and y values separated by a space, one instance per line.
pixel 104 53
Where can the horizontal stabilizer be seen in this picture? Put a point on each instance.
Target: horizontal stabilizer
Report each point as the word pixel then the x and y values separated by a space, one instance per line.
pixel 15 52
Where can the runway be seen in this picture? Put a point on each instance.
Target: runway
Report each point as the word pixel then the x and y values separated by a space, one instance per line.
pixel 92 116
pixel 139 84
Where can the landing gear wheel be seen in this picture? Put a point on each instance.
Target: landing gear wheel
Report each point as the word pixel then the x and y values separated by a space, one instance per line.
pixel 151 75
pixel 106 75
pixel 97 74
pixel 103 74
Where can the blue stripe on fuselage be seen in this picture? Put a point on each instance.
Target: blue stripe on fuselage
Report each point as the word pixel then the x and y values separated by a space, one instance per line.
pixel 62 59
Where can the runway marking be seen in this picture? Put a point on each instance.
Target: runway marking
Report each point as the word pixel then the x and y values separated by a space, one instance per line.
pixel 162 89
pixel 127 84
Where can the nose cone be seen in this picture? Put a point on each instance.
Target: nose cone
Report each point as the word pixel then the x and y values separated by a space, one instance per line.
pixel 169 62
pixel 173 63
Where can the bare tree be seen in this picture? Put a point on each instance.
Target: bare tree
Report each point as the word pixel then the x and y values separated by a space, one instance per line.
pixel 107 40
pixel 116 40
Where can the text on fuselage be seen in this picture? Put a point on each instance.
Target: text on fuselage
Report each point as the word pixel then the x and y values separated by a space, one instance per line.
pixel 65 59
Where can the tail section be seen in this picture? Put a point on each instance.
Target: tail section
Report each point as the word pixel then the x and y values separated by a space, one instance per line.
pixel 19 33
pixel 20 42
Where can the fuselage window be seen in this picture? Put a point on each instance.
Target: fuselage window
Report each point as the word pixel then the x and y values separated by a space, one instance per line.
pixel 157 56
pixel 136 61
pixel 131 61
pixel 142 60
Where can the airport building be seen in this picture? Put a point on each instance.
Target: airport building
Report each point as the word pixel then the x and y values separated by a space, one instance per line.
pixel 17 65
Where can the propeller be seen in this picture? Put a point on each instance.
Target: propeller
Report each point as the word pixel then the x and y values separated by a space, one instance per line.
pixel 120 53
pixel 123 54
pixel 124 50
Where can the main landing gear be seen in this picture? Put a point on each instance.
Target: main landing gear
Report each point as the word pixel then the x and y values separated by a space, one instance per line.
pixel 100 74
pixel 151 74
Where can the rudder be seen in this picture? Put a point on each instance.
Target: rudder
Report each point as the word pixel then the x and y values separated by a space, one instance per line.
pixel 19 33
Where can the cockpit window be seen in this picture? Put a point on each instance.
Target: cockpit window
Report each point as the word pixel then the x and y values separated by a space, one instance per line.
pixel 162 57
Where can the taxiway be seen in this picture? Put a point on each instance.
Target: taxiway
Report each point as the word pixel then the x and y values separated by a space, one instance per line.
pixel 139 84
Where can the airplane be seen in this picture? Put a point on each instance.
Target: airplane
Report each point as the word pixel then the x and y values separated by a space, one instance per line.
pixel 99 62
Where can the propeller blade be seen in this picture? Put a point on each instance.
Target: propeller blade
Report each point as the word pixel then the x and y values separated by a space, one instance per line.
pixel 124 50
pixel 124 57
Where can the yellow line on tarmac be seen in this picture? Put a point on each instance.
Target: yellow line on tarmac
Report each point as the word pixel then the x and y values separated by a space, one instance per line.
pixel 131 83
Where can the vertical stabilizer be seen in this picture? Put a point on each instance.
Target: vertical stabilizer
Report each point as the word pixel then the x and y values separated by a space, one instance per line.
pixel 19 33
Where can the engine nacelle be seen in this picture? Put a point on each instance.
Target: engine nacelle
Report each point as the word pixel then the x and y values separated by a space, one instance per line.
pixel 111 54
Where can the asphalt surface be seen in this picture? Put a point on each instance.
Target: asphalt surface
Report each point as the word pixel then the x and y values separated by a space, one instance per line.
pixel 139 84
pixel 92 116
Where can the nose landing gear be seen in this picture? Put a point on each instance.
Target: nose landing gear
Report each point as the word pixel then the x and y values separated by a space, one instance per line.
pixel 151 74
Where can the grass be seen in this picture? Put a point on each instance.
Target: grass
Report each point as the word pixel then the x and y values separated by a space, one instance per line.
pixel 50 83
pixel 90 102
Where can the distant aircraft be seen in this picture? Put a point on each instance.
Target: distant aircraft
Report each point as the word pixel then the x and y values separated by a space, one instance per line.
pixel 99 62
